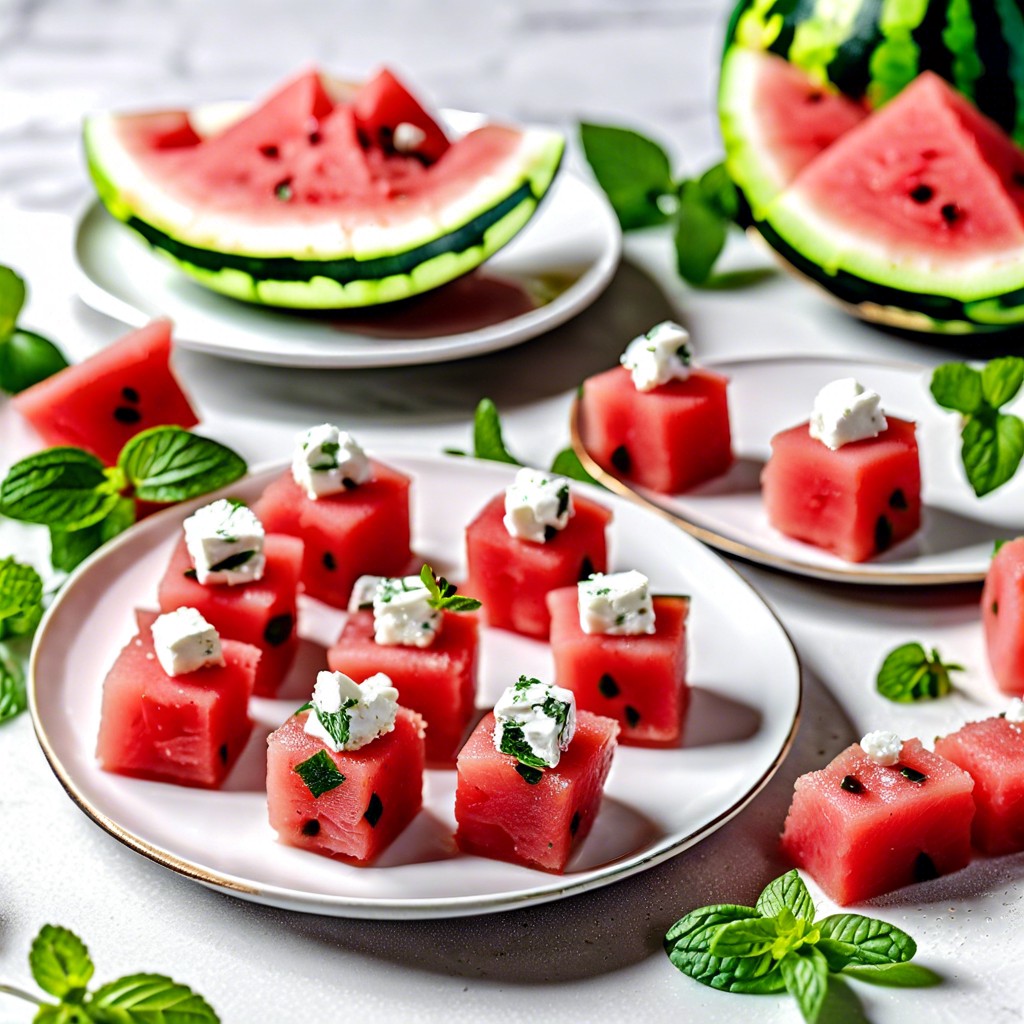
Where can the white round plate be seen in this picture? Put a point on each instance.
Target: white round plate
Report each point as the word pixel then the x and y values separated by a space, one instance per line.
pixel 658 802
pixel 552 270
pixel 954 544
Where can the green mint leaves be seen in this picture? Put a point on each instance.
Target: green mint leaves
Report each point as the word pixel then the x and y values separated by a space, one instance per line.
pixel 993 441
pixel 910 674
pixel 778 945
pixel 21 599
pixel 25 357
pixel 319 772
pixel 62 967
pixel 636 175
pixel 13 699
pixel 443 595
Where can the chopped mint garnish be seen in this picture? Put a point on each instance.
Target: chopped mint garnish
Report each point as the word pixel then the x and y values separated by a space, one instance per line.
pixel 319 773
pixel 909 674
pixel 337 723
pixel 443 594
pixel 513 742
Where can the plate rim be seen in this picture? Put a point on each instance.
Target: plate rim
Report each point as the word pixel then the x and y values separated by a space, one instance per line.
pixel 365 907
pixel 758 556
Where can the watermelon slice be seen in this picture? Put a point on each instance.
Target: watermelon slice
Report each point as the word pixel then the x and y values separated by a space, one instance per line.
pixel 188 729
pixel 857 501
pixel 103 402
pixel 512 577
pixel 321 198
pixel 861 829
pixel 669 439
pixel 364 531
pixel 1002 614
pixel 992 753
pixel 381 793
pixel 640 681
pixel 438 682
pixel 538 824
pixel 262 613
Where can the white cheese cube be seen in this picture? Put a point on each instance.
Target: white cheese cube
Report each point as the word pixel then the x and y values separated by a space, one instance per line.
pixel 346 715
pixel 660 355
pixel 882 747
pixel 184 642
pixel 845 411
pixel 327 460
pixel 535 722
pixel 536 505
pixel 225 541
pixel 403 615
pixel 363 592
pixel 616 603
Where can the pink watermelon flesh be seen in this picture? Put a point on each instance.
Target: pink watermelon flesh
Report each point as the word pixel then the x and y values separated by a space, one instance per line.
pixel 381 794
pixel 103 402
pixel 188 729
pixel 892 831
pixel 640 681
pixel 262 613
pixel 539 825
pixel 361 531
pixel 992 753
pixel 512 577
pixel 927 174
pixel 857 501
pixel 1002 614
pixel 438 682
pixel 669 439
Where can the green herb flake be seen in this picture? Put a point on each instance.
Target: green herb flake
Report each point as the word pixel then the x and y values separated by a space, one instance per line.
pixel 319 773
pixel 443 594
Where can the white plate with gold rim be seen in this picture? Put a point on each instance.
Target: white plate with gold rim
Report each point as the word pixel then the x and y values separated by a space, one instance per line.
pixel 658 802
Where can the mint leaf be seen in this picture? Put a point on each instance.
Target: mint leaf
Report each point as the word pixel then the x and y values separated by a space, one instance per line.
pixel 63 487
pixel 699 236
pixel 21 598
pixel 69 548
pixel 567 463
pixel 1001 380
pixel 149 999
pixel 719 193
pixel 852 939
pixel 319 772
pixel 487 440
pixel 12 299
pixel 443 594
pixel 62 1014
pixel 786 892
pixel 26 358
pixel 805 973
pixel 169 464
pixel 993 444
pixel 744 938
pixel 900 975
pixel 13 699
pixel 957 386
pixel 60 963
pixel 909 674
pixel 633 171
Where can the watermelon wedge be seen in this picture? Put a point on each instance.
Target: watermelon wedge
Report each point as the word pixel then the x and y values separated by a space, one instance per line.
pixel 320 197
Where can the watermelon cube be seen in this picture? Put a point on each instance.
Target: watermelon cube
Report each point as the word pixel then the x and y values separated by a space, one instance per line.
pixel 538 824
pixel 992 753
pixel 669 439
pixel 1002 614
pixel 438 682
pixel 363 531
pixel 856 501
pixel 512 576
pixel 861 829
pixel 187 729
pixel 262 613
pixel 381 793
pixel 103 402
pixel 638 680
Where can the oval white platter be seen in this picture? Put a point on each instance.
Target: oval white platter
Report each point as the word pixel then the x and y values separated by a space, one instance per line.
pixel 552 270
pixel 658 802
pixel 954 544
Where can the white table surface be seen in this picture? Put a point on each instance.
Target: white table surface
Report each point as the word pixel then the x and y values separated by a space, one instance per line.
pixel 598 956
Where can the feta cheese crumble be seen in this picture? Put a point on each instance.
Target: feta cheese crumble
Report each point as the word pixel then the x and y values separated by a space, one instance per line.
pixel 407 137
pixel 347 715
pixel 225 542
pixel 882 747
pixel 616 603
pixel 660 355
pixel 537 504
pixel 327 460
pixel 185 642
pixel 1015 711
pixel 535 722
pixel 846 411
pixel 403 614
pixel 363 591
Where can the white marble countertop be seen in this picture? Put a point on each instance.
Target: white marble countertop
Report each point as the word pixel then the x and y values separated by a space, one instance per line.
pixel 649 63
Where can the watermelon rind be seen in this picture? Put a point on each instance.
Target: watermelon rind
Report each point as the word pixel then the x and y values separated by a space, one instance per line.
pixel 323 266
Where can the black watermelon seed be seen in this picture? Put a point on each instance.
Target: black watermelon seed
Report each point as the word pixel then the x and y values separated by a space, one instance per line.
pixel 608 687
pixel 223 753
pixel 550 533
pixel 270 152
pixel 922 193
pixel 126 414
pixel 329 561
pixel 130 395
pixel 190 574
pixel 995 607
pixel 586 569
pixel 898 500
pixel 283 190
pixel 311 828
pixel 278 629
pixel 1018 178
pixel 529 774
pixel 632 716
pixel 374 811
pixel 950 213
pixel 851 784
pixel 815 97
pixel 912 775
pixel 574 825
pixel 924 868
pixel 883 533
pixel 348 483
pixel 620 459
pixel 315 138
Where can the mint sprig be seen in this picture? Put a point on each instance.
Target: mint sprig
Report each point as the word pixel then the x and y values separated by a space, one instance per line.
pixel 443 594
pixel 25 357
pixel 992 441
pixel 778 945
pixel 910 674
pixel 62 967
